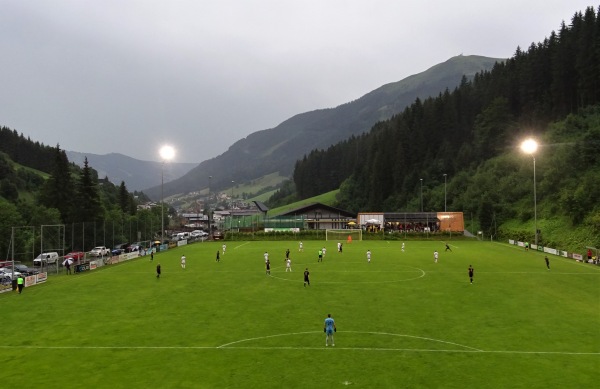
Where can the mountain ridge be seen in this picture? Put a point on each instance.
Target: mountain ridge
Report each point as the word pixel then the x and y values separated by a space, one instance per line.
pixel 137 174
pixel 277 149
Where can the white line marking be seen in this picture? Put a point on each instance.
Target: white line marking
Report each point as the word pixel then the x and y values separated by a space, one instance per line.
pixel 414 350
pixel 415 337
pixel 351 332
pixel 266 337
pixel 237 247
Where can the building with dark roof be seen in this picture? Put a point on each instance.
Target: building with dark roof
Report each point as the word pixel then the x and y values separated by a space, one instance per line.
pixel 318 216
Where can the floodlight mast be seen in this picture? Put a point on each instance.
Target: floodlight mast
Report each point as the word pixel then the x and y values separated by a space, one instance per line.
pixel 166 154
pixel 421 194
pixel 445 181
pixel 530 146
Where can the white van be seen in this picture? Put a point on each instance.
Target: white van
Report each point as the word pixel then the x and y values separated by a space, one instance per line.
pixel 45 258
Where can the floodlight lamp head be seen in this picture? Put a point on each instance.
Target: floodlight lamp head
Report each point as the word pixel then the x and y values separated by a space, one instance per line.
pixel 529 146
pixel 167 153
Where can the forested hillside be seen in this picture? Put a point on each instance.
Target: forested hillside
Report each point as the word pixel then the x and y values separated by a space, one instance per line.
pixel 25 151
pixel 44 188
pixel 472 135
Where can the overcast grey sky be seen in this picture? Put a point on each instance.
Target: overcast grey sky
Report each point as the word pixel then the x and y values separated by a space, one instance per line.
pixel 127 76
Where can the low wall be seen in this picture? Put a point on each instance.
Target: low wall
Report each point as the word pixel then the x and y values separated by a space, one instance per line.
pixel 551 251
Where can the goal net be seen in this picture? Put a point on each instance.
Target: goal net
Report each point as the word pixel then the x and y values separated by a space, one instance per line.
pixel 343 235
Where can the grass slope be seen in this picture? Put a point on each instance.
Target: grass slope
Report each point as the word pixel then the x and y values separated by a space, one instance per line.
pixel 403 320
pixel 325 198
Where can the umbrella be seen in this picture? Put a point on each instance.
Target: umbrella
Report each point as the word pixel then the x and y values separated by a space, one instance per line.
pixel 373 221
pixel 351 223
pixel 67 261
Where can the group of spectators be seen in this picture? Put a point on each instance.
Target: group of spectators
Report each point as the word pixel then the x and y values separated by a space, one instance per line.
pixel 412 227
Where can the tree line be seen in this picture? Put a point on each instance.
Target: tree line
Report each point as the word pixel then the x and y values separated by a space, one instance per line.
pixel 93 209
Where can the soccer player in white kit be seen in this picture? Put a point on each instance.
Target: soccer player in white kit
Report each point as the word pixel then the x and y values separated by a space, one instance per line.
pixel 224 248
pixel 402 246
pixel 266 257
pixel 183 261
pixel 288 265
pixel 301 248
pixel 435 256
pixel 369 256
pixel 324 251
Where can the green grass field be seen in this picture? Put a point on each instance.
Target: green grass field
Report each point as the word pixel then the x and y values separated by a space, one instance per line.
pixel 402 320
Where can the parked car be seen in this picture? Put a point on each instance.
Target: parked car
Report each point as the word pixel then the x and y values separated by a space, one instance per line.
pixel 99 251
pixel 120 249
pixel 24 269
pixel 198 234
pixel 217 235
pixel 135 246
pixel 5 263
pixel 5 272
pixel 76 255
pixel 45 259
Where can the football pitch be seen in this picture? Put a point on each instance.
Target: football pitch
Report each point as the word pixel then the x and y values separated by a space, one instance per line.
pixel 402 320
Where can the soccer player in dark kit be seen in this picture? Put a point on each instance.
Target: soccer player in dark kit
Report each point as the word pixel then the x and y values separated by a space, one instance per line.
pixel 471 271
pixel 306 279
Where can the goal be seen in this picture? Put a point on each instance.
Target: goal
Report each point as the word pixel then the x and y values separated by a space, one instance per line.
pixel 343 235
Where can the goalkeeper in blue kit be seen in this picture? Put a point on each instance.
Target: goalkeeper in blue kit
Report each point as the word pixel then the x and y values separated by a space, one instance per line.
pixel 329 329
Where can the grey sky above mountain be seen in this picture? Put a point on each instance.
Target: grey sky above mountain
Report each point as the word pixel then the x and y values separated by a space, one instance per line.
pixel 129 76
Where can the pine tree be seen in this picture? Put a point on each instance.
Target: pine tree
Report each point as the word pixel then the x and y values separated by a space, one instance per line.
pixel 124 202
pixel 57 192
pixel 89 207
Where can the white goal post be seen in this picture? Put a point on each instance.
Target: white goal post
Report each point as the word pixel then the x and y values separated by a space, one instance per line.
pixel 342 235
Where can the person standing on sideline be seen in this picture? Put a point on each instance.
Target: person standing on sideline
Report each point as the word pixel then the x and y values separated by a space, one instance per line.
pixel 68 266
pixel 526 246
pixel 268 266
pixel 218 259
pixel 306 279
pixel 547 262
pixel 183 261
pixel 20 283
pixel 369 256
pixel 471 272
pixel 288 265
pixel 152 255
pixel 402 246
pixel 301 248
pixel 158 271
pixel 329 329
pixel 435 256
pixel 320 256
pixel 224 248
pixel 448 247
